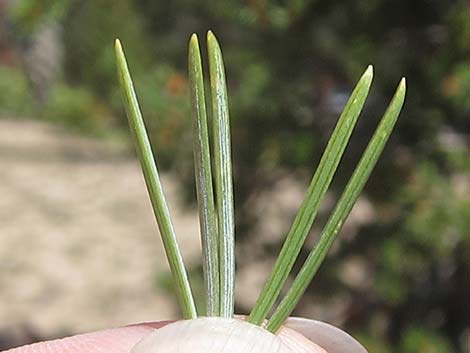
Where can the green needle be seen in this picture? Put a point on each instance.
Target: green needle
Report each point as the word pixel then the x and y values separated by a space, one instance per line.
pixel 203 175
pixel 154 187
pixel 223 176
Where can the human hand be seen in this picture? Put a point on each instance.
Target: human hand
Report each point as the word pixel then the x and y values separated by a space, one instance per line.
pixel 299 334
pixel 115 340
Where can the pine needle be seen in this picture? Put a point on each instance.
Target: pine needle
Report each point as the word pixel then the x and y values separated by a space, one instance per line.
pixel 154 187
pixel 203 175
pixel 223 176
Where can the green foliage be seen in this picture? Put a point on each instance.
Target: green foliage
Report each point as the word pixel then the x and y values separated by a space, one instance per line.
pixel 31 14
pixel 417 340
pixel 77 108
pixel 91 29
pixel 459 87
pixel 15 96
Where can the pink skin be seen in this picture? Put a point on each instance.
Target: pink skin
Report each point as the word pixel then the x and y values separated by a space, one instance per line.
pixel 117 340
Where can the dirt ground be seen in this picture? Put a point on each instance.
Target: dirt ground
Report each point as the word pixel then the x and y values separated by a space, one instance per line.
pixel 79 248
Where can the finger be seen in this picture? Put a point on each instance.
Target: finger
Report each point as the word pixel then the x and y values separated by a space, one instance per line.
pixel 297 342
pixel 117 340
pixel 331 338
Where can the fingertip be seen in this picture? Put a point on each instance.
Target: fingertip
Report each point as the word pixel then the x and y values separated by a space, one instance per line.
pixel 115 340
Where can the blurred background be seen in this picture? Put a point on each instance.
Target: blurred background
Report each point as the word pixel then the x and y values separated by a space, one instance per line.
pixel 79 249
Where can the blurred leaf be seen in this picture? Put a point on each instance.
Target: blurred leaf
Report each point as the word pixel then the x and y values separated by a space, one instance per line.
pixel 419 340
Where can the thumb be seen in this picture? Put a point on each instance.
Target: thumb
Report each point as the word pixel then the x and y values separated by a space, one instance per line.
pixel 117 340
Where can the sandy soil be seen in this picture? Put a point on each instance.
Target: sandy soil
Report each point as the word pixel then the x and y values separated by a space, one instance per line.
pixel 79 248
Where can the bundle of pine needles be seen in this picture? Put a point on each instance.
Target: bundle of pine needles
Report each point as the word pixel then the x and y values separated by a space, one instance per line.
pixel 212 163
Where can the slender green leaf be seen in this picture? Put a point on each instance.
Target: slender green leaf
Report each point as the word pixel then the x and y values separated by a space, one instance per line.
pixel 203 175
pixel 341 211
pixel 310 205
pixel 154 187
pixel 223 176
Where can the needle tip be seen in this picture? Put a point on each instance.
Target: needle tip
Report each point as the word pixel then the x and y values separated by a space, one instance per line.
pixel 117 43
pixel 402 83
